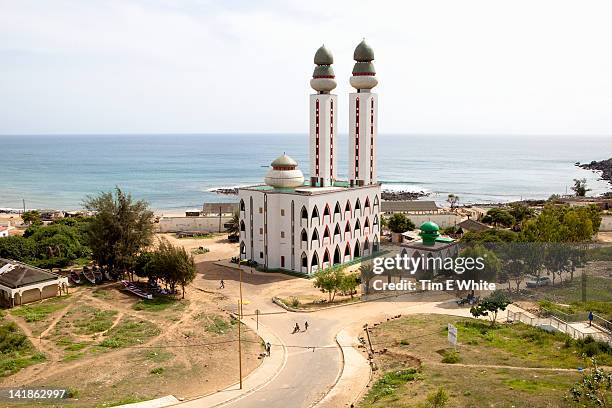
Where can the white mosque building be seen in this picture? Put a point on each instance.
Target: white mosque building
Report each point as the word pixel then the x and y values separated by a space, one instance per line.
pixel 300 226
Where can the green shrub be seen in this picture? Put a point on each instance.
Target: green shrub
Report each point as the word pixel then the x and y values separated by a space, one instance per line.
pixel 437 399
pixel 451 357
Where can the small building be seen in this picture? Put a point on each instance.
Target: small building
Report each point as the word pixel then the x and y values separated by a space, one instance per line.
pixel 429 248
pixel 422 211
pixel 21 283
pixel 470 225
pixel 219 209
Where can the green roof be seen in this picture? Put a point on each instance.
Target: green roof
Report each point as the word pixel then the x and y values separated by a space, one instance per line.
pixel 323 56
pixel 429 227
pixel 363 52
pixel 324 71
pixel 364 68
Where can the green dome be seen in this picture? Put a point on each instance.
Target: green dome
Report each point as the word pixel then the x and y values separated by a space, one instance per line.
pixel 323 56
pixel 364 68
pixel 429 227
pixel 363 52
pixel 323 71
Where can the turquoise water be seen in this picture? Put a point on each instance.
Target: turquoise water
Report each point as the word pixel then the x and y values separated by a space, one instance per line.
pixel 175 172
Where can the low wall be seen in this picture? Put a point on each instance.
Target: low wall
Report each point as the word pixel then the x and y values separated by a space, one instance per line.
pixel 606 223
pixel 443 220
pixel 193 224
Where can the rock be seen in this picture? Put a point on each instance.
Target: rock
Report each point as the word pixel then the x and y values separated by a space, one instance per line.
pixel 604 166
pixel 388 195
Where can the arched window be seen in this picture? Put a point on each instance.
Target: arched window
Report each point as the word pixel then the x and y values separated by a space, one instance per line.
pixel 304 235
pixel 326 256
pixel 304 213
pixel 375 223
pixel 347 228
pixel 367 203
pixel 337 229
pixel 376 244
pixel 347 207
pixel 347 249
pixel 327 211
pixel 376 200
pixel 315 261
pixel 326 233
pixel 366 244
pixel 356 251
pixel 242 226
pixel 357 226
pixel 366 224
pixel 337 255
pixel 337 210
pixel 304 260
pixel 315 213
pixel 315 236
pixel 243 248
pixel 242 207
pixel 357 205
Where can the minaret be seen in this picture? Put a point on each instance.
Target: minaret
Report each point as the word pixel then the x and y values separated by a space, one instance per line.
pixel 323 113
pixel 363 118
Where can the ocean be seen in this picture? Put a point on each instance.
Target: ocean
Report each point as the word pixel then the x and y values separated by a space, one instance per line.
pixel 177 172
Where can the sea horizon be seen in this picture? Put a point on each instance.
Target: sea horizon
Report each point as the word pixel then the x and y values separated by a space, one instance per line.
pixel 175 172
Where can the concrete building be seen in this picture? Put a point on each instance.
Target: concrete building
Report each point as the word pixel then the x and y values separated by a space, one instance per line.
pixel 21 283
pixel 290 224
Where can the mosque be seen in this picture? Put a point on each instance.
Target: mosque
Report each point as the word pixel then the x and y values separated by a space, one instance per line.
pixel 302 226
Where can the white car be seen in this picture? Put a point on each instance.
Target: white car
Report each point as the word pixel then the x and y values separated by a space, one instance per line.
pixel 534 282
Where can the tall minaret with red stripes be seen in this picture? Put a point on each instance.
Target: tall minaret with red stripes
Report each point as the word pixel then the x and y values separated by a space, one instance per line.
pixel 363 118
pixel 323 118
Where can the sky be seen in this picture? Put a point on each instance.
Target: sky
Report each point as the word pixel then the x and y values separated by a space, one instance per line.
pixel 196 66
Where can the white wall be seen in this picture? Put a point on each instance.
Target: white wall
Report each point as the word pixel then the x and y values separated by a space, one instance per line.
pixel 606 223
pixel 192 224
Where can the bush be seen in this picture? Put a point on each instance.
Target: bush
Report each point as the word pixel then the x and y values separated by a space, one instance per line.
pixel 294 302
pixel 451 357
pixel 437 399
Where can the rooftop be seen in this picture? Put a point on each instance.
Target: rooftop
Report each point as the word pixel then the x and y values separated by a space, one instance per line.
pixel 409 206
pixel 306 189
pixel 15 274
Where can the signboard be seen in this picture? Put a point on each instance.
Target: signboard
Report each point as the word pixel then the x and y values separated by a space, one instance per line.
pixel 452 334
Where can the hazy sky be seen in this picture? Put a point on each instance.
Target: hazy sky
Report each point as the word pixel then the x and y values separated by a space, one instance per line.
pixel 535 67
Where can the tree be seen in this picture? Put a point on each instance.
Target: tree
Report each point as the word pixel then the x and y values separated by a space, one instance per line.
pixel 491 235
pixel 491 305
pixel 31 217
pixel 367 273
pixel 499 217
pixel 348 283
pixel 453 200
pixel 120 229
pixel 233 226
pixel 399 223
pixel 595 388
pixel 172 264
pixel 521 212
pixel 329 281
pixel 17 248
pixel 437 399
pixel 492 264
pixel 580 187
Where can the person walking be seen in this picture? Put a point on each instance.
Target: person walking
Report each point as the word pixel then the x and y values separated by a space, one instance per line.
pixel 305 326
pixel 590 318
pixel 268 348
pixel 296 329
pixel 222 286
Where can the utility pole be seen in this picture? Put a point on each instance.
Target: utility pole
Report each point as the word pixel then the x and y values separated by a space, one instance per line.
pixel 369 341
pixel 239 343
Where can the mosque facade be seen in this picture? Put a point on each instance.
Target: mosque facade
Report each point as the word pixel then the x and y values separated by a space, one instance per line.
pixel 304 225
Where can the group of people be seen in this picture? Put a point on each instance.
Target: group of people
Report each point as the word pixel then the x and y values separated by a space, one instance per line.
pixel 296 328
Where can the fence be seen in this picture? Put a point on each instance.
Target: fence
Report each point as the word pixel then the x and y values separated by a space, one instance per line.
pixel 598 321
pixel 559 325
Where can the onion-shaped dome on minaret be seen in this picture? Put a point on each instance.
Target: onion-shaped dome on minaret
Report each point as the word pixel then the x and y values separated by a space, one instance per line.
pixel 284 173
pixel 430 231
pixel 364 74
pixel 323 78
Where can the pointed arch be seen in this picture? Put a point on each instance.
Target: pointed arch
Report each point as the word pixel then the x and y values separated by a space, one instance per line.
pixel 315 261
pixel 357 250
pixel 304 212
pixel 315 213
pixel 347 249
pixel 242 226
pixel 242 248
pixel 366 224
pixel 357 226
pixel 337 229
pixel 337 258
pixel 327 212
pixel 376 200
pixel 304 235
pixel 375 223
pixel 348 207
pixel 337 210
pixel 376 244
pixel 242 206
pixel 347 228
pixel 326 233
pixel 315 237
pixel 366 244
pixel 357 204
pixel 326 256
pixel 367 203
pixel 303 261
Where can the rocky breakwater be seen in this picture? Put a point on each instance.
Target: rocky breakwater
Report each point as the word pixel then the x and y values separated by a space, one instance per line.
pixel 604 166
pixel 388 195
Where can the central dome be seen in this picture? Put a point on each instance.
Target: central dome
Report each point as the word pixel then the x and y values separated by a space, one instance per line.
pixel 284 173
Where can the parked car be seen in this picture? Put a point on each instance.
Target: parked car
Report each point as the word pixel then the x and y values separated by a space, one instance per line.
pixel 534 282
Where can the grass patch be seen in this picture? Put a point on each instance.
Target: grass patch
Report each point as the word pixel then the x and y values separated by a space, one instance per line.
pixel 35 312
pixel 157 371
pixel 131 399
pixel 529 385
pixel 158 304
pixel 599 289
pixel 218 325
pixel 129 332
pixel 94 321
pixel 16 350
pixel 158 355
pixel 199 251
pixel 450 357
pixel 387 386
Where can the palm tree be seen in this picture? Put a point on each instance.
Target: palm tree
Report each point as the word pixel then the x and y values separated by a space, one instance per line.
pixel 233 226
